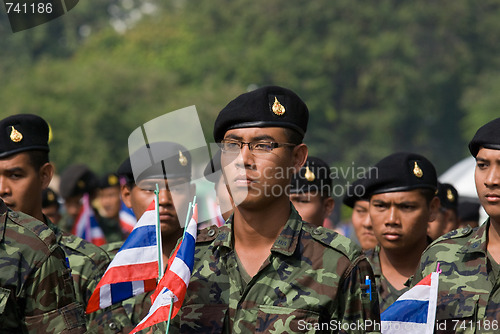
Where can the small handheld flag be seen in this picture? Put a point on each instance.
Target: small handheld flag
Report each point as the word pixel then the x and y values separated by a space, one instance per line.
pixel 127 219
pixel 415 310
pixel 86 225
pixel 134 269
pixel 171 290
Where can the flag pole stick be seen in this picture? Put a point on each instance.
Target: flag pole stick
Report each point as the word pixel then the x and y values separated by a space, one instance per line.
pixel 170 314
pixel 158 232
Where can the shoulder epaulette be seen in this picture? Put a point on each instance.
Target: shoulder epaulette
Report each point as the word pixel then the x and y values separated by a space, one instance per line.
pixel 42 231
pixel 208 234
pixel 459 233
pixel 334 240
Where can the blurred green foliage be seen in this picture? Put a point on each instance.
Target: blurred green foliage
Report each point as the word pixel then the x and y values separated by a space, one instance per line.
pixel 378 76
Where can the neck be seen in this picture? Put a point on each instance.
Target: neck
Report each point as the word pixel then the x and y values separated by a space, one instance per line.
pixel 168 244
pixel 494 240
pixel 255 228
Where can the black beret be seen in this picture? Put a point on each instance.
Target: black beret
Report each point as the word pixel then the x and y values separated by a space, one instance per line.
pixel 401 172
pixel 270 106
pixel 448 196
pixel 49 197
pixel 170 160
pixel 468 211
pixel 23 132
pixel 109 180
pixel 488 136
pixel 356 191
pixel 314 176
pixel 213 169
pixel 77 179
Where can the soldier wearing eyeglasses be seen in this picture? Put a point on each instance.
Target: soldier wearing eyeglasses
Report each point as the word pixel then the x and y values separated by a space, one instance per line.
pixel 266 269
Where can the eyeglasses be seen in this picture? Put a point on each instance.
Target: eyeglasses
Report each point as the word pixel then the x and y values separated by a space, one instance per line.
pixel 258 147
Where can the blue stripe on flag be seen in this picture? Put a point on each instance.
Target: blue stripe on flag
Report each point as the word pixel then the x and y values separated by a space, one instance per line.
pixel 407 311
pixel 142 236
pixel 121 291
pixel 186 251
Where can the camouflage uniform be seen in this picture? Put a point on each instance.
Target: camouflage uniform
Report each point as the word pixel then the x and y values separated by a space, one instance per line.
pixel 88 263
pixel 387 294
pixel 36 290
pixel 468 295
pixel 312 277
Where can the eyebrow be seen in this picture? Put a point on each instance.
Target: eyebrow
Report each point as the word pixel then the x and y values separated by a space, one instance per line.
pixel 257 138
pixel 14 169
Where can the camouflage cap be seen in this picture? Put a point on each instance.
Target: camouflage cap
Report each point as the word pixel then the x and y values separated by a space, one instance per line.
pixel 401 171
pixel 269 106
pixel 313 176
pixel 169 160
pixel 448 196
pixel 488 136
pixel 23 132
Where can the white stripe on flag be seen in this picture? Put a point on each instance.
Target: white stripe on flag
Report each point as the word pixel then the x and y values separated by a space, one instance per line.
pixel 398 327
pixel 137 287
pixel 431 314
pixel 418 292
pixel 136 255
pixel 180 268
pixel 105 296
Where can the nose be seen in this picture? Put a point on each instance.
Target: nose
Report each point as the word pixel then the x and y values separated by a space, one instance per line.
pixel 4 187
pixel 392 217
pixel 245 158
pixel 367 223
pixel 493 177
pixel 165 198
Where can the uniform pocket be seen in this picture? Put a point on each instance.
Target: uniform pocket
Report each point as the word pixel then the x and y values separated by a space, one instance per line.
pixel 287 320
pixel 200 316
pixel 456 313
pixel 4 297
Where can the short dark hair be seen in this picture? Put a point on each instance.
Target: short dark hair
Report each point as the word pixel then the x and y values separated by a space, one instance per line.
pixel 428 194
pixel 293 136
pixel 38 158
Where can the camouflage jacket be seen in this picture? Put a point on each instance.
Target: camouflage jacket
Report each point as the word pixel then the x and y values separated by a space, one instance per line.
pixel 36 290
pixel 387 294
pixel 88 263
pixel 313 279
pixel 468 292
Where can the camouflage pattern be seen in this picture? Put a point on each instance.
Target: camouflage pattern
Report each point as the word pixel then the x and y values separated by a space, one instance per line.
pixel 468 293
pixel 111 229
pixel 88 263
pixel 387 294
pixel 313 277
pixel 36 290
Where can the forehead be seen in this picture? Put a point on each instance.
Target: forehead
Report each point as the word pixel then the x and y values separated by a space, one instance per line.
pixel 399 196
pixel 249 134
pixel 171 182
pixel 17 160
pixel 488 154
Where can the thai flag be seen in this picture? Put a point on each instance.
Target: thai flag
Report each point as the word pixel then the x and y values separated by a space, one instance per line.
pixel 86 225
pixel 127 219
pixel 172 287
pixel 415 310
pixel 134 269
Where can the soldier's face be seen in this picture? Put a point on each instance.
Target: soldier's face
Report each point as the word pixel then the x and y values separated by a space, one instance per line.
pixel 363 225
pixel 255 180
pixel 109 199
pixel 400 219
pixel 312 207
pixel 21 185
pixel 487 177
pixel 174 198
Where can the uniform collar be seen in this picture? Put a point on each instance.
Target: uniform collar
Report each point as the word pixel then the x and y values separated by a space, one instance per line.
pixel 3 219
pixel 285 243
pixel 477 240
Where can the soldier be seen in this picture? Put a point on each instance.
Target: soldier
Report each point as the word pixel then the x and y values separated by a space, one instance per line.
pixel 310 191
pixel 401 189
pixel 109 207
pixel 176 191
pixel 36 290
pixel 360 215
pixel 266 269
pixel 50 205
pixel 468 293
pixel 447 217
pixel 27 172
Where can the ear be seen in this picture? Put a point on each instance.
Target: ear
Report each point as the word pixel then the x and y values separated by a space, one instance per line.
pixel 300 153
pixel 434 208
pixel 46 173
pixel 329 205
pixel 126 193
